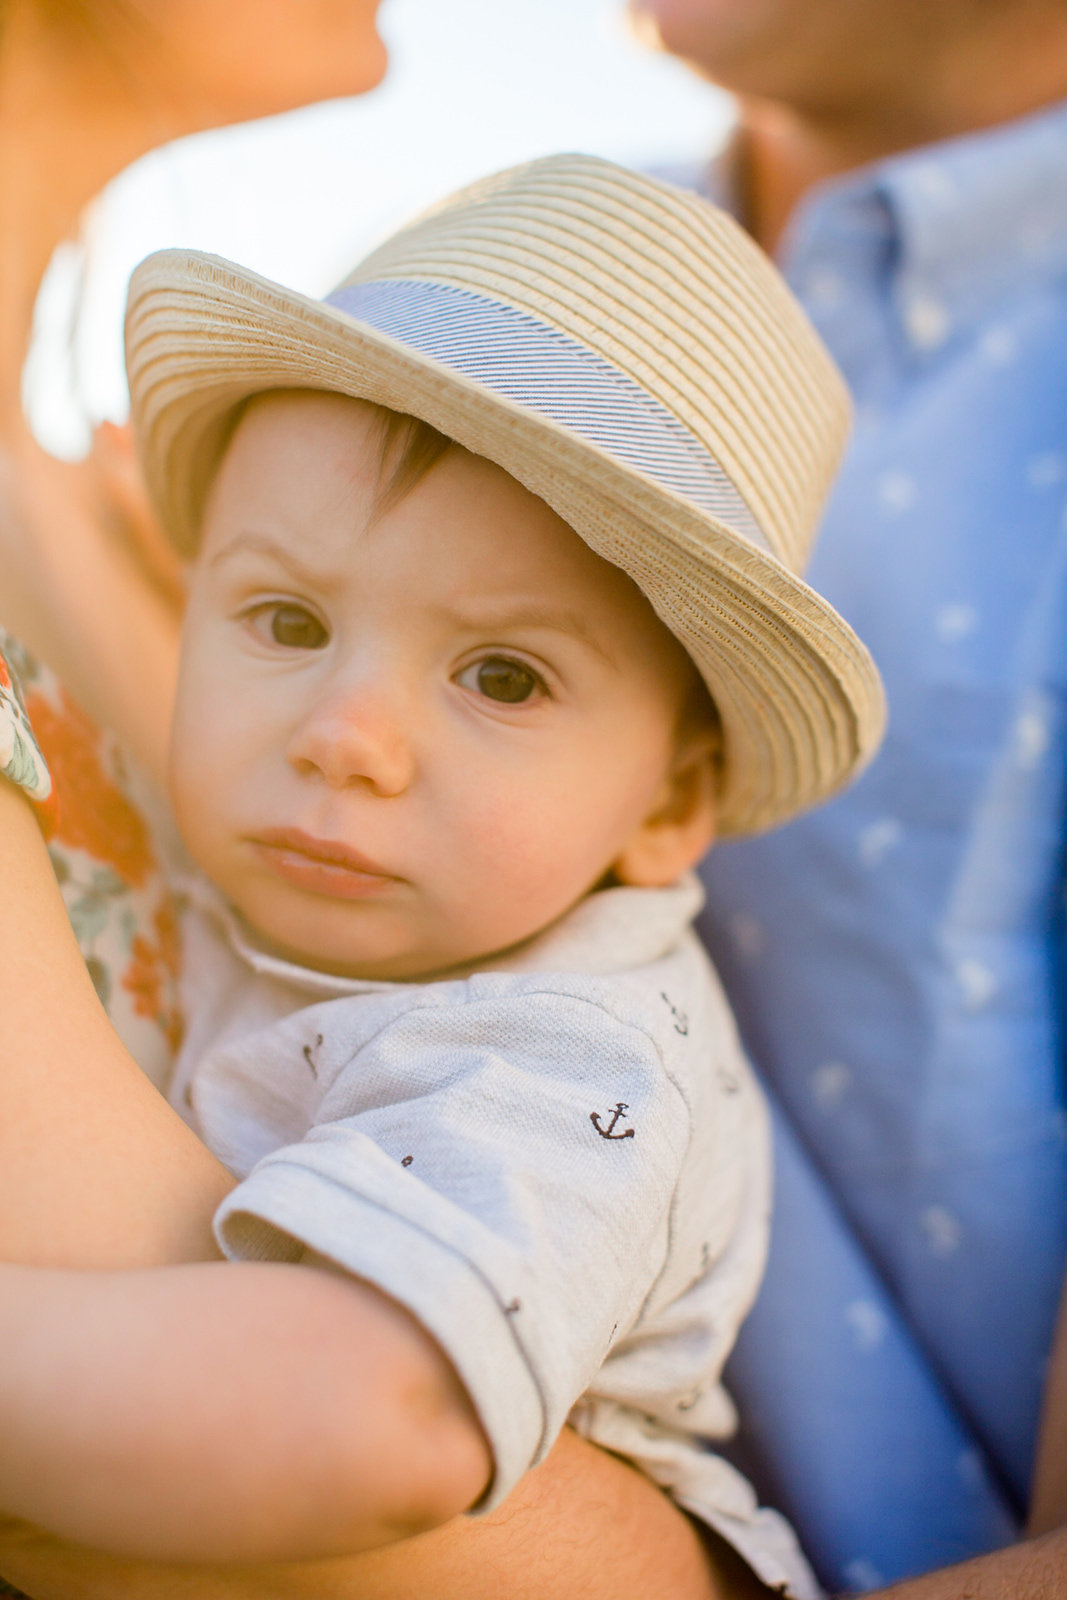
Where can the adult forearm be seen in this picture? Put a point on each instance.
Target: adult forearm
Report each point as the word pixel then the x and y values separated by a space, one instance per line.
pixel 1048 1506
pixel 1033 1570
pixel 583 1523
pixel 98 1169
pixel 223 1412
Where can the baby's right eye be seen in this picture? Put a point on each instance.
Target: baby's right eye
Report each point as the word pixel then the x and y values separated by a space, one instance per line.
pixel 291 626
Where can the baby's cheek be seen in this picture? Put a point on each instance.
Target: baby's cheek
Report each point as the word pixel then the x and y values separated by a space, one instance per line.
pixel 535 853
pixel 205 754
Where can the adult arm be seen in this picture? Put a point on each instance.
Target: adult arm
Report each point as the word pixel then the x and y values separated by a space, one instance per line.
pixel 583 1523
pixel 98 1170
pixel 1036 1569
pixel 1049 1504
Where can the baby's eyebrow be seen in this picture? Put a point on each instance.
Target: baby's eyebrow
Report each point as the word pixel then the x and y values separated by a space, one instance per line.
pixel 263 544
pixel 530 614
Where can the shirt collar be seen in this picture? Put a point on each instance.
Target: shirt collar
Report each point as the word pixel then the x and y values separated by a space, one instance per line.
pixel 958 227
pixel 613 930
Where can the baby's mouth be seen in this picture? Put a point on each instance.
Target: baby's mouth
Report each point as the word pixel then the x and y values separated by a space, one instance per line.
pixel 321 866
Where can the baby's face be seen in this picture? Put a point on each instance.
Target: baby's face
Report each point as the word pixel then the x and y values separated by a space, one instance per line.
pixel 404 744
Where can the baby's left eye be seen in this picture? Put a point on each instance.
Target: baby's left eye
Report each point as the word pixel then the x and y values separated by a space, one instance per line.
pixel 502 679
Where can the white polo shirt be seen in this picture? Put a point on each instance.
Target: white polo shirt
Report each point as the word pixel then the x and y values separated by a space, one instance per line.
pixel 561 1169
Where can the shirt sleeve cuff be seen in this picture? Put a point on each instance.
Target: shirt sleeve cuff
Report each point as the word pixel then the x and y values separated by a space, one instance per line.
pixel 286 1204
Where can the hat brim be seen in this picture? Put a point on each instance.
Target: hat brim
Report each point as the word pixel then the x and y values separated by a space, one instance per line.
pixel 801 701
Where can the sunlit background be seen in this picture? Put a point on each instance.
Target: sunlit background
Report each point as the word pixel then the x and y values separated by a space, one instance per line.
pixel 473 86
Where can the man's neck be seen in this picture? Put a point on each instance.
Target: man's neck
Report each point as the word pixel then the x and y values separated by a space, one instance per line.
pixel 785 149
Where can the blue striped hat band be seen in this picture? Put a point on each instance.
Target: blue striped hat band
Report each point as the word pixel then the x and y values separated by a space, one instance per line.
pixel 526 361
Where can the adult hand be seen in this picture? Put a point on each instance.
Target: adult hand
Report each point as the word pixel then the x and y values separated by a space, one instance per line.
pixel 115 487
pixel 88 587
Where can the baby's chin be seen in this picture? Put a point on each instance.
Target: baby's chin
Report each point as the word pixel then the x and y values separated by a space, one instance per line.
pixel 401 936
pixel 413 964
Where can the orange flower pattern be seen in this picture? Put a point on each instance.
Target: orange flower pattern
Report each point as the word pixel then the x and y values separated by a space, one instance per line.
pixel 94 815
pixel 101 848
pixel 152 975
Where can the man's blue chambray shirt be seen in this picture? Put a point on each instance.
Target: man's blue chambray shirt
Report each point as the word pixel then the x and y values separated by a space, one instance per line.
pixel 896 958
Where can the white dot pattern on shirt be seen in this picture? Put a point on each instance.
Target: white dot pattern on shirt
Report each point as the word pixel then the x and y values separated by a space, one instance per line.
pixel 978 983
pixel 1046 470
pixel 999 347
pixel 749 935
pixel 1032 739
pixel 943 1231
pixel 878 838
pixel 823 287
pixel 933 181
pixel 829 1082
pixel 955 621
pixel 868 1323
pixel 926 321
pixel 861 1573
pixel 896 491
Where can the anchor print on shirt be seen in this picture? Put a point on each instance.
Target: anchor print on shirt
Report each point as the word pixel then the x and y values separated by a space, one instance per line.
pixel 310 1054
pixel 619 1114
pixel 681 1021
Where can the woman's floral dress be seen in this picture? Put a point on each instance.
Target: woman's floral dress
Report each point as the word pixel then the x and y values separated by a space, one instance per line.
pixel 102 852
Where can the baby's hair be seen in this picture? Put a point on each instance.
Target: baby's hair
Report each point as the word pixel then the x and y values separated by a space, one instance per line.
pixel 698 716
pixel 408 448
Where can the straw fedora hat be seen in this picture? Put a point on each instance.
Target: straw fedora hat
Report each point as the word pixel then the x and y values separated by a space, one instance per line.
pixel 629 355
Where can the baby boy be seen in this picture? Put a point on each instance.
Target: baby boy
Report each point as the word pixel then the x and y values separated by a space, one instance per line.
pixel 493 622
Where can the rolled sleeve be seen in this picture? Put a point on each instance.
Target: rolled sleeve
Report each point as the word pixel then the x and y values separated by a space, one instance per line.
pixel 472 1161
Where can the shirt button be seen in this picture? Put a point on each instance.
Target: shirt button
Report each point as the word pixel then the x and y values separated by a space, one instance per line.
pixel 927 322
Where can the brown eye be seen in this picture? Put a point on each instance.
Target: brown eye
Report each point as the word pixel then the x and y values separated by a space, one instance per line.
pixel 296 629
pixel 509 682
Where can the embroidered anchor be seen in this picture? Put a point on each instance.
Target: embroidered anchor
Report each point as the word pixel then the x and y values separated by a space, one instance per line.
pixel 608 1133
pixel 309 1058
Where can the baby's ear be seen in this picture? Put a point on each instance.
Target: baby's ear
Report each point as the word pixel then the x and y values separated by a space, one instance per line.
pixel 681 825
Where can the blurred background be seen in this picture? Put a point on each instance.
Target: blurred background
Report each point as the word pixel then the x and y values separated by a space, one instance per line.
pixel 473 86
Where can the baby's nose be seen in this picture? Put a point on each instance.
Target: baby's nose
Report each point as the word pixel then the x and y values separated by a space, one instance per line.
pixel 355 738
